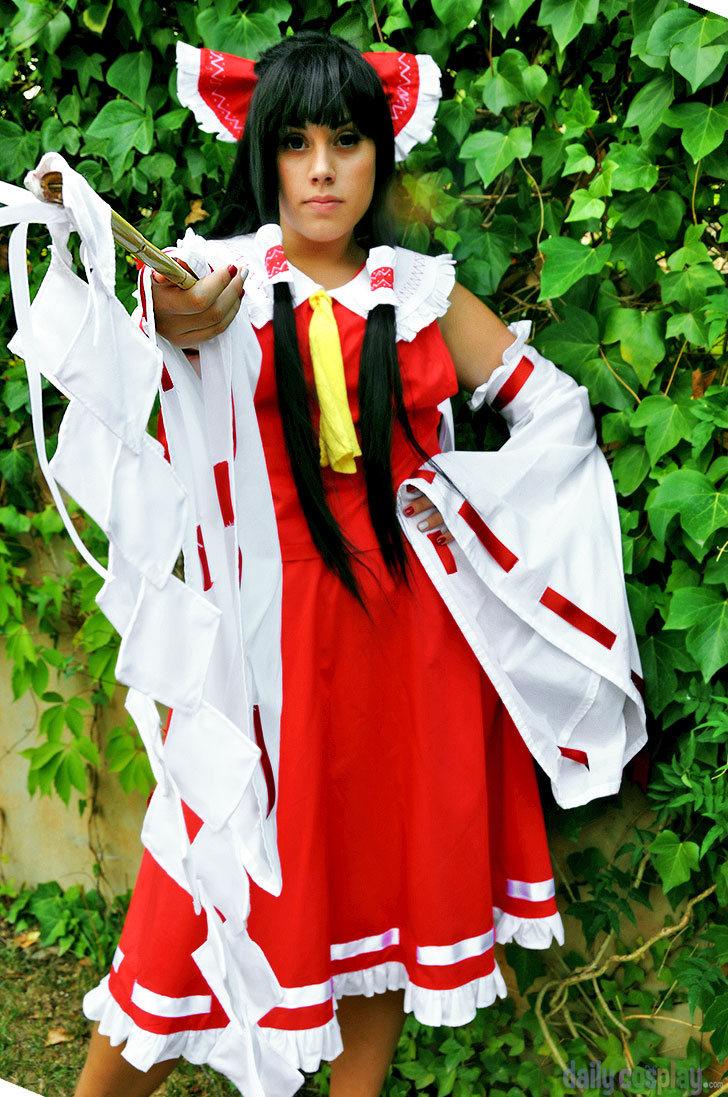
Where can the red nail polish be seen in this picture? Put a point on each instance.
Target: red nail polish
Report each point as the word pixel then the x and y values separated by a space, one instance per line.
pixel 232 270
pixel 408 512
pixel 440 539
pixel 242 294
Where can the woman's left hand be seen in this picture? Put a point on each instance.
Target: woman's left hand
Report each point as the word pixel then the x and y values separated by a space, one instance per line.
pixel 431 518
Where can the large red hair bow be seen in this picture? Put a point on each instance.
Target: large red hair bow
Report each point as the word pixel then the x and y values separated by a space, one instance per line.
pixel 218 87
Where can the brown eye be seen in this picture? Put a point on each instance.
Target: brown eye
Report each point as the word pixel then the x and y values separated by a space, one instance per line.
pixel 349 140
pixel 293 141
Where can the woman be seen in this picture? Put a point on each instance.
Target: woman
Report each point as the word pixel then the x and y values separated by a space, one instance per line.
pixel 408 819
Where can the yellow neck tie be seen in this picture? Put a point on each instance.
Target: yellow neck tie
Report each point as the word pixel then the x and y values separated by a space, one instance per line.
pixel 337 436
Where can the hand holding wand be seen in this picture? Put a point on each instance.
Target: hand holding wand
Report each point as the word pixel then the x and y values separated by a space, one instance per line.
pixel 128 237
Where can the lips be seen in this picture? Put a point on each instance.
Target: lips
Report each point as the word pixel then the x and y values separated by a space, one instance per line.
pixel 323 202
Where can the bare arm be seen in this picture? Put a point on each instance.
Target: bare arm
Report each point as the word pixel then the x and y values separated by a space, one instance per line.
pixel 475 337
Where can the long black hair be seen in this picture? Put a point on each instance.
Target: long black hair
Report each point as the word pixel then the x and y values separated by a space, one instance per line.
pixel 316 78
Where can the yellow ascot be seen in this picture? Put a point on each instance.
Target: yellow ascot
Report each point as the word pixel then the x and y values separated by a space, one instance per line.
pixel 337 436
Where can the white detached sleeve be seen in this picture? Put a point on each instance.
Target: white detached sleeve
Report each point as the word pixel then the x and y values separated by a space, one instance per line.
pixel 534 577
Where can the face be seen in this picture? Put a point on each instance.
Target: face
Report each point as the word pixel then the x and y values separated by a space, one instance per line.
pixel 326 181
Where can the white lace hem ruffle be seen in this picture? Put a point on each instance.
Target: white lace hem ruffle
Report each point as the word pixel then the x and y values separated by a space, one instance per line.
pixel 528 932
pixel 303 1048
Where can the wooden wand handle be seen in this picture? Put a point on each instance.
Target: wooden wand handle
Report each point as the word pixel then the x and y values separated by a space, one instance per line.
pixel 129 238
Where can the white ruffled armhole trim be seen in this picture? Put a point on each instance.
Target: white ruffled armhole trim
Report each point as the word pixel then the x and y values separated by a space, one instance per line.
pixel 429 299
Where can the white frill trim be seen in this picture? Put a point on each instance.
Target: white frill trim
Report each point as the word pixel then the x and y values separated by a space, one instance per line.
pixel 143 1049
pixel 306 1048
pixel 188 92
pixel 511 357
pixel 420 126
pixel 432 306
pixel 528 932
pixel 422 283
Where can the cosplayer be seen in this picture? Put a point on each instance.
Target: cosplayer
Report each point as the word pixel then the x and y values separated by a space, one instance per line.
pixel 347 816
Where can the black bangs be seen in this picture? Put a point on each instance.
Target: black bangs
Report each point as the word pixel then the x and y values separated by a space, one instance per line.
pixel 315 78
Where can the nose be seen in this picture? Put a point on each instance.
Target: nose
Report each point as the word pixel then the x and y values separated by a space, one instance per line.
pixel 322 168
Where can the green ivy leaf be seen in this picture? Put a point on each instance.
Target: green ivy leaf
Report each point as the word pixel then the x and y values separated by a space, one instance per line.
pixel 494 151
pixel 667 28
pixel 456 15
pixel 629 468
pixel 638 249
pixel 19 149
pixel 674 860
pixel 689 325
pixel 716 1022
pixel 577 160
pixel 707 640
pixel 246 35
pixel 689 287
pixel 640 339
pixel 633 168
pixel 647 109
pixel 567 262
pixel 507 14
pixel 457 116
pixel 514 81
pixel 126 127
pixel 585 207
pixel 667 424
pixel 703 126
pixel 130 74
pixel 579 117
pixel 703 508
pixel 526 964
pixel 693 56
pixel 666 208
pixel 567 17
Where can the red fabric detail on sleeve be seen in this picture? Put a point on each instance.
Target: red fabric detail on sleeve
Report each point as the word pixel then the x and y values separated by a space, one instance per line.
pixel 575 755
pixel 639 683
pixel 193 823
pixel 641 768
pixel 444 552
pixel 235 431
pixel 425 474
pixel 580 620
pixel 240 565
pixel 513 385
pixel 500 553
pixel 166 380
pixel 142 294
pixel 264 759
pixel 162 436
pixel 224 498
pixel 202 553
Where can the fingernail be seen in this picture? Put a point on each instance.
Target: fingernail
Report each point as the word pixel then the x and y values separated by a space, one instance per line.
pixel 408 512
pixel 412 488
pixel 232 270
pixel 441 539
pixel 242 294
pixel 424 524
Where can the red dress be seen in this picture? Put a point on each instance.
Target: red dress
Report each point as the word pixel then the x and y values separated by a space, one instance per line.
pixel 409 822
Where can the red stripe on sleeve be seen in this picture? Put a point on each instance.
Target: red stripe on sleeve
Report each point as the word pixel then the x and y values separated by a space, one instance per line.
pixel 162 436
pixel 575 755
pixel 513 385
pixel 444 552
pixel 502 555
pixel 639 683
pixel 240 565
pixel 264 759
pixel 166 380
pixel 425 474
pixel 202 553
pixel 571 613
pixel 222 483
pixel 235 433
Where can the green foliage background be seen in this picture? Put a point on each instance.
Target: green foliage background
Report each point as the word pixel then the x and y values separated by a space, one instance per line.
pixel 578 172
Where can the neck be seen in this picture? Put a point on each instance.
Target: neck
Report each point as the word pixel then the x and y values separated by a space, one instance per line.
pixel 329 263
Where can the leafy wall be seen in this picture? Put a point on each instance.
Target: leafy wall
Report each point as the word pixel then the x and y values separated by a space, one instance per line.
pixel 578 172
